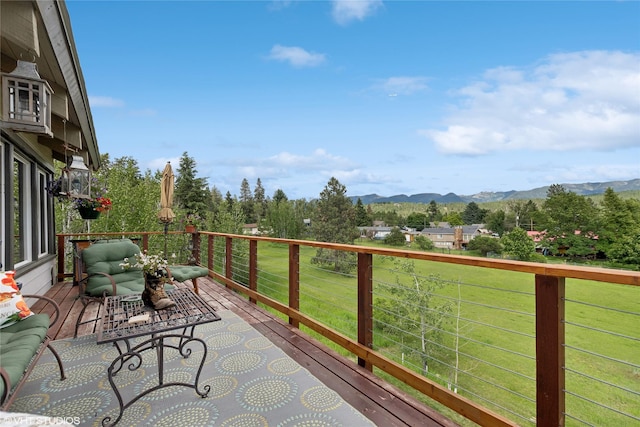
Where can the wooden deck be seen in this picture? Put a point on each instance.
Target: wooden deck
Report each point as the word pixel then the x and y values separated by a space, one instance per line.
pixel 377 400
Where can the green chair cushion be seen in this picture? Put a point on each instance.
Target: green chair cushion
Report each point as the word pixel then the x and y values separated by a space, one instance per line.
pixel 19 343
pixel 106 257
pixel 186 272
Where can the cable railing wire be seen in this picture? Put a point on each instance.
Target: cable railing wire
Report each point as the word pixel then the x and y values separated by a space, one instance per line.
pixel 602 406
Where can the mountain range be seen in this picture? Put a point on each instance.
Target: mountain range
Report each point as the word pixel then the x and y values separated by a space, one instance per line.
pixel 586 189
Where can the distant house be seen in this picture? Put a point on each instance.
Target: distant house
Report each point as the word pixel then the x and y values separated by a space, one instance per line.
pixel 452 237
pixel 251 229
pixel 377 231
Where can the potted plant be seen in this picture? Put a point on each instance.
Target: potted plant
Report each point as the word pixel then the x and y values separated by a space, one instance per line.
pixel 154 268
pixel 191 222
pixel 87 207
pixel 90 208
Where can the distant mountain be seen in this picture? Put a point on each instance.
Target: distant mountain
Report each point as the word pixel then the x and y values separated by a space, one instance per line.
pixel 587 189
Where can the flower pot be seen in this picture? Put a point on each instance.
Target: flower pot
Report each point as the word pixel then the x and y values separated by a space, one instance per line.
pixel 88 213
pixel 190 228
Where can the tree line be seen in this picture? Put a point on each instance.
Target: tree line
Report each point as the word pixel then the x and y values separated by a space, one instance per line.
pixel 568 224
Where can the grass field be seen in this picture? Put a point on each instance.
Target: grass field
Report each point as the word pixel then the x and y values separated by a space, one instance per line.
pixel 497 333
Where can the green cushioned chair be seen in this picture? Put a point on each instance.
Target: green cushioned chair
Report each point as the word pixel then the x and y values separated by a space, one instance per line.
pixel 181 273
pixel 105 275
pixel 20 347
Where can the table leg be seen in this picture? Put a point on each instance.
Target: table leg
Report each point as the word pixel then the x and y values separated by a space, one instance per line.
pixel 134 356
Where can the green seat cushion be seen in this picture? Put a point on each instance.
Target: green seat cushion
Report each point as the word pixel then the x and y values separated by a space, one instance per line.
pixel 106 257
pixel 186 272
pixel 19 343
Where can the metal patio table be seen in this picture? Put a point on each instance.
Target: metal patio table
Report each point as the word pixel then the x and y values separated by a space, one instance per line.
pixel 126 317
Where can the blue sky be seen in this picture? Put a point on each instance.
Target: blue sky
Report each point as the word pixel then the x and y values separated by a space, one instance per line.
pixel 389 97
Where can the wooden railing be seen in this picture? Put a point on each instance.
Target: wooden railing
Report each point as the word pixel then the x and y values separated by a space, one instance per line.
pixel 549 312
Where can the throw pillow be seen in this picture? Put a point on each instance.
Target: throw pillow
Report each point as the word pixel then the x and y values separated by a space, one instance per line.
pixel 13 308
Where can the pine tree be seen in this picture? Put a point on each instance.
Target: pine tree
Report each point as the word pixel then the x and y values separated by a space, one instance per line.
pixel 246 202
pixel 334 221
pixel 259 200
pixel 191 193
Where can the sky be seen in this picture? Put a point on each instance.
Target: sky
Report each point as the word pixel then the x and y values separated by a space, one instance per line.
pixel 389 97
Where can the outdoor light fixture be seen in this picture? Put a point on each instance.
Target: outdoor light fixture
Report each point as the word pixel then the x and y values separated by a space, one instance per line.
pixel 76 179
pixel 26 100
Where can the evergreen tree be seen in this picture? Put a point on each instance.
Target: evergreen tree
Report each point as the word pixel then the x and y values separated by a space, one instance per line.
pixel 246 202
pixel 260 202
pixel 279 196
pixel 229 202
pixel 334 221
pixel 191 193
pixel 433 212
pixel 473 214
pixel 362 218
pixel 216 204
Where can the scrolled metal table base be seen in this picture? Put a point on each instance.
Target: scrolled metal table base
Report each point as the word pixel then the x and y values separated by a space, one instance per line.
pixel 132 359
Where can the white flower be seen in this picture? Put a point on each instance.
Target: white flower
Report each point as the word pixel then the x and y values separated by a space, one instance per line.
pixel 154 265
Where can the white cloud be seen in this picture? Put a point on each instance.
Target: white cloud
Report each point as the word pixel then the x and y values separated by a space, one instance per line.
pixel 345 11
pixel 572 101
pixel 592 173
pixel 296 56
pixel 105 101
pixel 401 85
pixel 318 160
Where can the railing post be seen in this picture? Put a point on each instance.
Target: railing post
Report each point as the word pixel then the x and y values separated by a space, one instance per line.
pixel 365 304
pixel 61 257
pixel 195 252
pixel 294 281
pixel 253 267
pixel 550 378
pixel 228 258
pixel 145 243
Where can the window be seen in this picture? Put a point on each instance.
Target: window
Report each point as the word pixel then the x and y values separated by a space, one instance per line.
pixel 44 212
pixel 26 210
pixel 21 209
pixel 2 218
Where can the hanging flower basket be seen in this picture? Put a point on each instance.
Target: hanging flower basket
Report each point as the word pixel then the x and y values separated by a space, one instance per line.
pixel 88 213
pixel 190 228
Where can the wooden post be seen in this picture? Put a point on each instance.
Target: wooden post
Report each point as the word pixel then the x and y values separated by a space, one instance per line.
pixel 195 252
pixel 294 281
pixel 61 258
pixel 550 378
pixel 365 304
pixel 145 243
pixel 253 267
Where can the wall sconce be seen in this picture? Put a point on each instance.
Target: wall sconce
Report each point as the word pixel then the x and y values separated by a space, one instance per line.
pixel 76 179
pixel 26 100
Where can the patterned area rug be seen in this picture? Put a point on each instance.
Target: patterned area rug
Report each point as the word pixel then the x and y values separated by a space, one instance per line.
pixel 253 383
